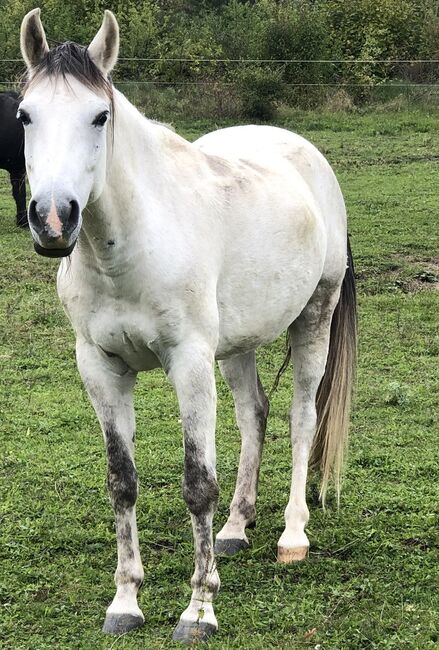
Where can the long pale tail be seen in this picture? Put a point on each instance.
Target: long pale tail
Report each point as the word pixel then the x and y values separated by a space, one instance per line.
pixel 333 399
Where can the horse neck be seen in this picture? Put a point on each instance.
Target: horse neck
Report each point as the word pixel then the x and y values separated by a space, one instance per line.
pixel 138 143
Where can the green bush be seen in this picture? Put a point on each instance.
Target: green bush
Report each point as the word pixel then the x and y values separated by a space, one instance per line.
pixel 374 29
pixel 259 89
pixel 298 31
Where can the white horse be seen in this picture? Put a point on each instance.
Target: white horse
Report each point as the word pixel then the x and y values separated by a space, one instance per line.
pixel 180 254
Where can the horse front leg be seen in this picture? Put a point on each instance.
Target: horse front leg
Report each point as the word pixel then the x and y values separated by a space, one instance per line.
pixel 110 384
pixel 192 374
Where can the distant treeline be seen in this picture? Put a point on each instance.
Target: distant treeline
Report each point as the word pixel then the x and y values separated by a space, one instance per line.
pixel 307 30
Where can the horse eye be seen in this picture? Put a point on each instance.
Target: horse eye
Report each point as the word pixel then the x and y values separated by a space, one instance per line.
pixel 100 119
pixel 23 117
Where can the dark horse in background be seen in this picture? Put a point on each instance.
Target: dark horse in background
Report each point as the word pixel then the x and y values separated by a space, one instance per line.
pixel 12 152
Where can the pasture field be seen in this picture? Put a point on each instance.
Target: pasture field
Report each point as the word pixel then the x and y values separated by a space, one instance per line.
pixel 372 577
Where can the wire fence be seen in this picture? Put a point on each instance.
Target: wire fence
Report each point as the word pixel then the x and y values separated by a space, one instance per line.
pixel 347 84
pixel 168 88
pixel 279 61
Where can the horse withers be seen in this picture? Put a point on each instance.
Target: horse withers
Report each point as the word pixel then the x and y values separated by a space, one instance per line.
pixel 12 152
pixel 177 254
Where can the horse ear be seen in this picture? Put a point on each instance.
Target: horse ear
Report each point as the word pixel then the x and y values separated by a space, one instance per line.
pixel 104 48
pixel 33 41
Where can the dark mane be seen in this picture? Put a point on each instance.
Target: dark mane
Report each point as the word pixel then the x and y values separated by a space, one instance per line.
pixel 71 59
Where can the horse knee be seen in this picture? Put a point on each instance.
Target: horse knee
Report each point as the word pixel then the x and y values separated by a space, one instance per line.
pixel 200 488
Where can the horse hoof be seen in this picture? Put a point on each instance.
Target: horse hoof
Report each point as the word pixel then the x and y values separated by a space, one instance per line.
pixel 190 633
pixel 230 547
pixel 118 624
pixel 288 555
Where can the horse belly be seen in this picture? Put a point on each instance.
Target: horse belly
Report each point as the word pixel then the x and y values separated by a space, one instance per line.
pixel 251 326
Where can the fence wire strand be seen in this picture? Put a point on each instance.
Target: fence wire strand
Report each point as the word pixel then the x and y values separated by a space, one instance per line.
pixel 280 61
pixel 143 82
pixel 207 82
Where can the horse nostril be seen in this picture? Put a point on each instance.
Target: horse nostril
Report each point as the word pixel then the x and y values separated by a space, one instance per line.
pixel 73 218
pixel 34 218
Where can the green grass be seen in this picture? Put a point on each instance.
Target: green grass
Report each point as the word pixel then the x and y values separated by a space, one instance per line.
pixel 372 577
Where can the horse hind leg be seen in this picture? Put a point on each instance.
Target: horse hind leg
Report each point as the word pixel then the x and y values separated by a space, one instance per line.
pixel 251 407
pixel 324 349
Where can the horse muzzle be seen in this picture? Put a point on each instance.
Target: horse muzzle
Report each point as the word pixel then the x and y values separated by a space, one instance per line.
pixel 54 226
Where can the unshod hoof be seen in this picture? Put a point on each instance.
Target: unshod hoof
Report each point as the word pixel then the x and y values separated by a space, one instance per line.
pixel 118 624
pixel 192 633
pixel 288 555
pixel 230 547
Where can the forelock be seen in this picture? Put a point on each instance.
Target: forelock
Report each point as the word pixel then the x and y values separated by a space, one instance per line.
pixel 71 59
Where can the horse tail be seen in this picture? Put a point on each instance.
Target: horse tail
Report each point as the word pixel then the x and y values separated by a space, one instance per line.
pixel 333 400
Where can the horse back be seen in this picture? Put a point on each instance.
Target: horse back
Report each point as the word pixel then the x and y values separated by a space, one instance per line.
pixel 298 179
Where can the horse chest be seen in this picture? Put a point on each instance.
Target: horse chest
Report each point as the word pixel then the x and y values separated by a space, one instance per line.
pixel 124 334
pixel 118 326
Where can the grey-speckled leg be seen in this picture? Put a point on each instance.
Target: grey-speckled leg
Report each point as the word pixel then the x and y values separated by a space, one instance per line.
pixel 192 373
pixel 251 407
pixel 110 386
